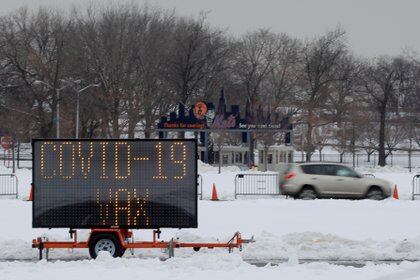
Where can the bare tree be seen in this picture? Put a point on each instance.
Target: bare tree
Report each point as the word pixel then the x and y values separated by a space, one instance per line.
pixel 368 134
pixel 396 134
pixel 151 96
pixel 33 46
pixel 106 36
pixel 382 80
pixel 320 58
pixel 281 84
pixel 254 59
pixel 320 138
pixel 196 52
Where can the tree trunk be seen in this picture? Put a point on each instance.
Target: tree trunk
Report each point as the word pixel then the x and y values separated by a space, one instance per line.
pixel 308 148
pixel 115 127
pixel 265 159
pixel 381 151
pixel 131 129
pixel 147 133
pixel 220 159
pixel 251 149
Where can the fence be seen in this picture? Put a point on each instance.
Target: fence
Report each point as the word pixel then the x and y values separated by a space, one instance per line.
pixel 257 184
pixel 200 186
pixel 416 186
pixel 21 160
pixel 8 185
pixel 400 159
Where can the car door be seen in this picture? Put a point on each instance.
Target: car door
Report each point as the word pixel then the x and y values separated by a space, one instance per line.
pixel 331 184
pixel 347 181
pixel 319 176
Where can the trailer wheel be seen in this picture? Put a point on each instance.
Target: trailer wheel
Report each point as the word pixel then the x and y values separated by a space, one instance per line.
pixel 196 249
pixel 105 242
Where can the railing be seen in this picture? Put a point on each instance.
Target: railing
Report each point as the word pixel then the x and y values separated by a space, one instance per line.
pixel 21 161
pixel 416 186
pixel 200 186
pixel 257 184
pixel 400 159
pixel 9 185
pixel 368 175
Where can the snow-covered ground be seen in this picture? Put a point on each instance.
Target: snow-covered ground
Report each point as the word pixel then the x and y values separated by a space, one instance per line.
pixel 284 229
pixel 215 266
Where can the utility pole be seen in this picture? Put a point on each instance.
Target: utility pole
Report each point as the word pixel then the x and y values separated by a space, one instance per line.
pixel 78 106
pixel 58 114
pixel 57 106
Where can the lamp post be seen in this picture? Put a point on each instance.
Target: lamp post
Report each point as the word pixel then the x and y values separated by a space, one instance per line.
pixel 78 106
pixel 57 106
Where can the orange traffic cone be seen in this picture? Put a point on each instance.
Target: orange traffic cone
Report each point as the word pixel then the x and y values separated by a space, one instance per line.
pixel 214 196
pixel 395 194
pixel 31 194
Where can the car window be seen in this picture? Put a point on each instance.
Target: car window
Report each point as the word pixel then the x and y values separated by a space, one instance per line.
pixel 328 169
pixel 345 171
pixel 310 169
pixel 318 169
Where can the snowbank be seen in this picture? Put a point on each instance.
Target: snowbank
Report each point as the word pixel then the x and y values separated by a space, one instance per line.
pixel 283 229
pixel 217 266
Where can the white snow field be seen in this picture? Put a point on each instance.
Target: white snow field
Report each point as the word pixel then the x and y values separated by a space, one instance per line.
pixel 211 267
pixel 284 229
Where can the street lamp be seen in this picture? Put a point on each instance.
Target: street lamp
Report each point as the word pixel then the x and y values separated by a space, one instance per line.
pixel 78 106
pixel 57 90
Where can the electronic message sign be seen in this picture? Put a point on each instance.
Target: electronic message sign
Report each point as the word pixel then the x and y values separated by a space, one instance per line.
pixel 115 183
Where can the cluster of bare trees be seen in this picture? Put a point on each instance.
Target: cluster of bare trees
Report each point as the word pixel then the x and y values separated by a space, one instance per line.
pixel 127 65
pixel 134 62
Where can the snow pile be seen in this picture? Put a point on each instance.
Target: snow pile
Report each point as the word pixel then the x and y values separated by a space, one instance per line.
pixel 283 229
pixel 318 246
pixel 217 266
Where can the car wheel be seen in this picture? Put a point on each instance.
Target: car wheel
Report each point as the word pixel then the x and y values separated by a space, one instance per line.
pixel 375 194
pixel 307 194
pixel 105 242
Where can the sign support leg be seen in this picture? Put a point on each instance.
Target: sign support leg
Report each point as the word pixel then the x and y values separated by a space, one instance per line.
pixel 251 150
pixel 171 251
pixel 206 145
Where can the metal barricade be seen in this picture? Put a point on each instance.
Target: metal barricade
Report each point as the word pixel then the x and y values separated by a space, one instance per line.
pixel 257 184
pixel 368 175
pixel 200 186
pixel 416 186
pixel 9 185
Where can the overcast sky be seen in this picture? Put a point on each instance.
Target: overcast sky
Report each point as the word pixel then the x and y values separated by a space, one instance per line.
pixel 374 27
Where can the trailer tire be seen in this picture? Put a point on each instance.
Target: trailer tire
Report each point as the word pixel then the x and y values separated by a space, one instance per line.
pixel 105 242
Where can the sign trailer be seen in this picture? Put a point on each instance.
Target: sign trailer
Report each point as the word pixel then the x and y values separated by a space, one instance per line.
pixel 114 186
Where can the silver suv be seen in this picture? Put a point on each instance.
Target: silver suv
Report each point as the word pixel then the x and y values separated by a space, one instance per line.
pixel 315 180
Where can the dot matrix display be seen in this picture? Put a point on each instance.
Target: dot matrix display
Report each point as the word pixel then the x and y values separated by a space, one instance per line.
pixel 115 183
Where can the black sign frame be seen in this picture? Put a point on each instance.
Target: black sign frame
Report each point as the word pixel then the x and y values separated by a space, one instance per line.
pixel 194 224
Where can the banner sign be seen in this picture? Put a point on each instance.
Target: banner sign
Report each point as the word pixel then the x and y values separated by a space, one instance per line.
pixel 205 116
